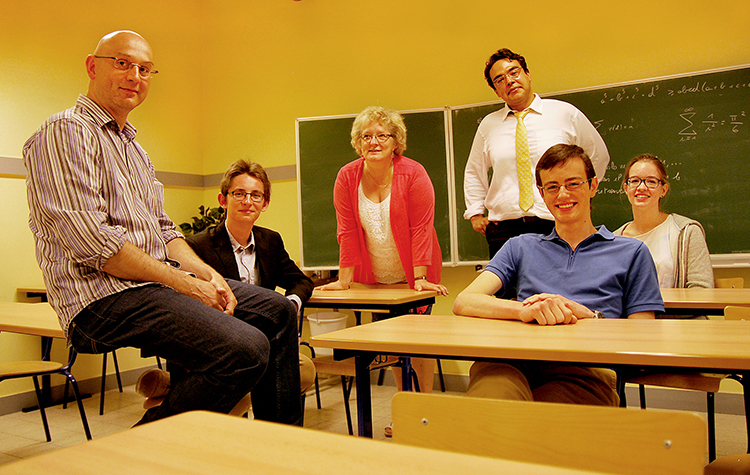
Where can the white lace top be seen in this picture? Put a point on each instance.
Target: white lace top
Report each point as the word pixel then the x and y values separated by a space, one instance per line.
pixel 384 258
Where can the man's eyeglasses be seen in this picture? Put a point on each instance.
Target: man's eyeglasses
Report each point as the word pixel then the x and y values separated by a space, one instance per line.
pixel 144 72
pixel 514 73
pixel 380 138
pixel 651 183
pixel 554 188
pixel 242 196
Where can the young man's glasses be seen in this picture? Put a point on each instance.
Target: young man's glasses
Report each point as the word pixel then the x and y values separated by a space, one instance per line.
pixel 242 196
pixel 554 188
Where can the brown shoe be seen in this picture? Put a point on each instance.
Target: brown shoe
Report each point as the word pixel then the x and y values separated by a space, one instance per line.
pixel 154 383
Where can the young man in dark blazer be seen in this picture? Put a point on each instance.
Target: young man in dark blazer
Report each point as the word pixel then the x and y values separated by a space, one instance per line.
pixel 239 250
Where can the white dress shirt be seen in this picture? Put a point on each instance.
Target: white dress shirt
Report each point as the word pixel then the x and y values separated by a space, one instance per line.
pixel 245 257
pixel 548 123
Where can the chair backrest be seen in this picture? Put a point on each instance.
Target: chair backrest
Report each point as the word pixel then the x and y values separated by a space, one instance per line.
pixel 606 439
pixel 734 312
pixel 729 283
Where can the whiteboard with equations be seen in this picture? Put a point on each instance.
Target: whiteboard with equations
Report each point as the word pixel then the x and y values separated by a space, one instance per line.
pixel 697 123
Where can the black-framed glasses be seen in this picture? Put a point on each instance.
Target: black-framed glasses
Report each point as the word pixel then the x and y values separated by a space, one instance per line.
pixel 514 73
pixel 144 71
pixel 256 196
pixel 380 138
pixel 651 183
pixel 554 188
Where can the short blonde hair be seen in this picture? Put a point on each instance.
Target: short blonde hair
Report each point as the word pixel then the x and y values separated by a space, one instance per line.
pixel 390 120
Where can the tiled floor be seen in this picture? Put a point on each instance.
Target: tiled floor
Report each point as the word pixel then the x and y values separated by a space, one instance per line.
pixel 22 435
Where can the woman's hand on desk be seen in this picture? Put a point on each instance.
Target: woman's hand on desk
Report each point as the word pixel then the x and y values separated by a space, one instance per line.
pixel 335 285
pixel 426 285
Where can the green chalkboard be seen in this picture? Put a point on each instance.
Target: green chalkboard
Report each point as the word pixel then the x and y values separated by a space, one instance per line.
pixel 698 124
pixel 323 147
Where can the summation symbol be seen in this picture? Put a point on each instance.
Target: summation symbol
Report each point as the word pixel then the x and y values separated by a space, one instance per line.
pixel 688 133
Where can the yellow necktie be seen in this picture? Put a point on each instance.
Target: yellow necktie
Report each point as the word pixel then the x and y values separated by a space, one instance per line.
pixel 523 162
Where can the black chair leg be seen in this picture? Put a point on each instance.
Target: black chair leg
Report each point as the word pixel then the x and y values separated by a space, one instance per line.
pixel 711 427
pixel 381 376
pixel 317 390
pixel 117 370
pixel 642 395
pixel 346 386
pixel 65 394
pixel 440 376
pixel 81 410
pixel 40 400
pixel 104 383
pixel 621 391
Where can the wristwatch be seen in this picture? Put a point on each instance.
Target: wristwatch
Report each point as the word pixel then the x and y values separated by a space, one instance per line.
pixel 598 314
pixel 424 277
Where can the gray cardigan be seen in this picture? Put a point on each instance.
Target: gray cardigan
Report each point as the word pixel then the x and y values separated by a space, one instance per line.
pixel 692 262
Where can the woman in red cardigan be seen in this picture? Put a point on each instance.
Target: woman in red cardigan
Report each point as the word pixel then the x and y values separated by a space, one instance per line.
pixel 385 209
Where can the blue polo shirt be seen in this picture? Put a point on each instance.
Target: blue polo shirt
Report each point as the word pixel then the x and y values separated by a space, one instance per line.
pixel 612 274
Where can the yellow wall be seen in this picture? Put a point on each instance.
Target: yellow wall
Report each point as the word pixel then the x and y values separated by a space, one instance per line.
pixel 235 74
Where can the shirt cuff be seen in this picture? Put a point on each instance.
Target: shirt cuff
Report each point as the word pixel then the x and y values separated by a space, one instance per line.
pixel 297 301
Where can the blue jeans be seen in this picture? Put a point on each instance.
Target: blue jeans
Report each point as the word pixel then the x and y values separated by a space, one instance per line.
pixel 224 356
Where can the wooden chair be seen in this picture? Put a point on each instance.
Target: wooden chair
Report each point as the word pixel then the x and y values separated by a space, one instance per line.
pixel 729 283
pixel 595 438
pixel 34 369
pixel 706 382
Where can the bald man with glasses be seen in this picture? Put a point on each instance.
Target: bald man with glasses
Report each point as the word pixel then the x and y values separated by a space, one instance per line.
pixel 119 273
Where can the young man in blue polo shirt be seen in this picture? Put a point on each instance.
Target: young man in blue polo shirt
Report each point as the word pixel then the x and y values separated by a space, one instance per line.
pixel 575 272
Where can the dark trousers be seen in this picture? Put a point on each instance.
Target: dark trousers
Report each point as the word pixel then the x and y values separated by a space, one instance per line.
pixel 224 356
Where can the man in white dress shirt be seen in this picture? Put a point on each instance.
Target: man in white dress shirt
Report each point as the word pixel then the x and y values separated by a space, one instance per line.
pixel 548 122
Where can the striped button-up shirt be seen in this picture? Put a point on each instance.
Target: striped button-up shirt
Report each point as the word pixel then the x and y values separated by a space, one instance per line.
pixel 90 187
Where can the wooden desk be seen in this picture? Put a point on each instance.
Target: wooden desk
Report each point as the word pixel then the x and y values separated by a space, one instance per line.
pixel 703 345
pixel 395 299
pixel 36 319
pixel 703 301
pixel 210 443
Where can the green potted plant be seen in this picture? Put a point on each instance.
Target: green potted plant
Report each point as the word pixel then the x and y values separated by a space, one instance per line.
pixel 206 218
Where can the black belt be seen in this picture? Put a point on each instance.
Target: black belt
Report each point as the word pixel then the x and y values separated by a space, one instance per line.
pixel 524 219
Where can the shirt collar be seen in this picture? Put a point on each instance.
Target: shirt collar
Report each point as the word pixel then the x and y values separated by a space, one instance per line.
pixel 237 247
pixel 103 118
pixel 601 234
pixel 536 106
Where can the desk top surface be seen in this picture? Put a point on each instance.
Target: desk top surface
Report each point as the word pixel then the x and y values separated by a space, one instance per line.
pixel 203 442
pixel 705 298
pixel 37 319
pixel 362 294
pixel 715 344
